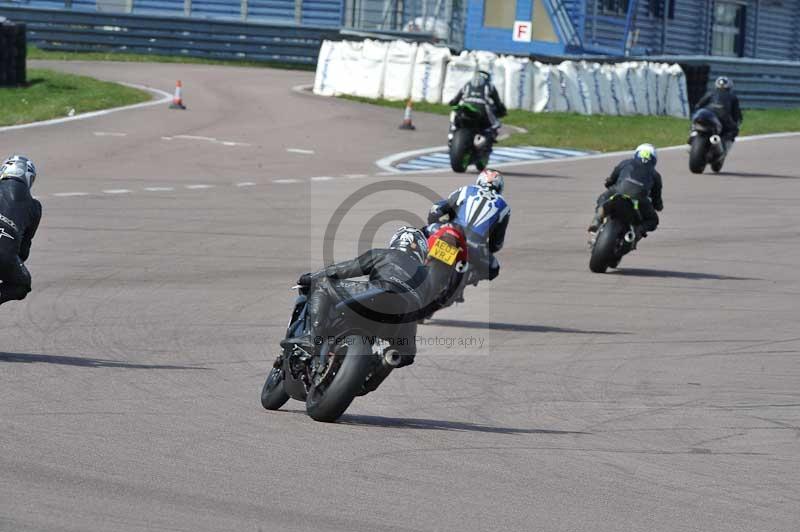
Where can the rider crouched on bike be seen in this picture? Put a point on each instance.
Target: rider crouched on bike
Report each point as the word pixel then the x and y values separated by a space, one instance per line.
pixel 725 104
pixel 397 270
pixel 20 214
pixel 481 93
pixel 638 179
pixel 484 214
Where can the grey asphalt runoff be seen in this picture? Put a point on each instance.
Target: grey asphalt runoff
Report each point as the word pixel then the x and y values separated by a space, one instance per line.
pixel 663 396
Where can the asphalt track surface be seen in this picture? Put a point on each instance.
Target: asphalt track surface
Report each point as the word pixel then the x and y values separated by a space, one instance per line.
pixel 661 397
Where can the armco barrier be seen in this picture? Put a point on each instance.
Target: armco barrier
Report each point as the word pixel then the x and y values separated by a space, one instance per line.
pixel 758 83
pixel 53 29
pixel 12 54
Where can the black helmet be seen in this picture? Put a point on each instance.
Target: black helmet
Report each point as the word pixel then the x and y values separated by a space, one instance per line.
pixel 412 241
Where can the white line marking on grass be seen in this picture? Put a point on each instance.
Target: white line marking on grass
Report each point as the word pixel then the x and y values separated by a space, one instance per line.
pixel 300 151
pixel 164 97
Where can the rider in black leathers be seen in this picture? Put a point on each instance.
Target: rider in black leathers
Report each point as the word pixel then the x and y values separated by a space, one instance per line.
pixel 724 103
pixel 398 270
pixel 19 218
pixel 638 179
pixel 481 92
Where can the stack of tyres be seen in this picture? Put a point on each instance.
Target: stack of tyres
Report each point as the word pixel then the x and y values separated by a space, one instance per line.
pixel 12 54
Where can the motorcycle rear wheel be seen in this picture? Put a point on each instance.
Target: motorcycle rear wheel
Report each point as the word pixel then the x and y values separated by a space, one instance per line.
pixel 697 154
pixel 328 402
pixel 461 150
pixel 604 250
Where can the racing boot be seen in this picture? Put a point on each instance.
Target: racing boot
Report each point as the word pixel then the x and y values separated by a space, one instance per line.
pixel 596 221
pixel 317 310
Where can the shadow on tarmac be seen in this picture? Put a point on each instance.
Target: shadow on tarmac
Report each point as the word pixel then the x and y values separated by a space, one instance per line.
pixel 436 424
pixel 513 327
pixel 84 362
pixel 758 175
pixel 667 274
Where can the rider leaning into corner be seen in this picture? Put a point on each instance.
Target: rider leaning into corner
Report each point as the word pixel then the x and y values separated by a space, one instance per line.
pixel 398 270
pixel 481 92
pixel 19 218
pixel 484 214
pixel 637 178
pixel 725 104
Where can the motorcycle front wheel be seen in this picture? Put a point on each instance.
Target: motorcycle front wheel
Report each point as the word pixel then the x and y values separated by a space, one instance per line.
pixel 273 395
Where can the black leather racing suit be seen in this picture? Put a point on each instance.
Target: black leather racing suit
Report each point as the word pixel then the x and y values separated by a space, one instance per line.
pixel 483 94
pixel 724 104
pixel 391 270
pixel 19 218
pixel 640 181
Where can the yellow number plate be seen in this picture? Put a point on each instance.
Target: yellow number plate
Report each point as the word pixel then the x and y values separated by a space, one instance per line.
pixel 444 252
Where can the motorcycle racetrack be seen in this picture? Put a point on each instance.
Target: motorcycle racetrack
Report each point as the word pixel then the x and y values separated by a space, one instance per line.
pixel 663 396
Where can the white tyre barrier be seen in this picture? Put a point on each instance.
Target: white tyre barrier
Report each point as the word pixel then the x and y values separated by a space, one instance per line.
pixel 429 71
pixel 399 72
pixel 460 70
pixel 518 83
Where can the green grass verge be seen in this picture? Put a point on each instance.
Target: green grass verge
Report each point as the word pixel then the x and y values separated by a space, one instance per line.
pixel 610 133
pixel 51 94
pixel 36 53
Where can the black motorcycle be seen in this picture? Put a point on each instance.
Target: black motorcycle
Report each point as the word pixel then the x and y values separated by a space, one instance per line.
pixel 352 358
pixel 470 143
pixel 707 146
pixel 617 235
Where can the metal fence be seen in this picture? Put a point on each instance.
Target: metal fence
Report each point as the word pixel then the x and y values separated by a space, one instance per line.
pixel 311 12
pixel 442 18
pixel 758 83
pixel 103 32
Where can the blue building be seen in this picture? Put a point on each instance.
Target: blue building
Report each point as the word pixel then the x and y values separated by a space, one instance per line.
pixel 760 29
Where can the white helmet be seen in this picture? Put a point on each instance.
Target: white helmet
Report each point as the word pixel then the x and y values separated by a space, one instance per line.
pixel 491 179
pixel 645 153
pixel 19 167
pixel 412 241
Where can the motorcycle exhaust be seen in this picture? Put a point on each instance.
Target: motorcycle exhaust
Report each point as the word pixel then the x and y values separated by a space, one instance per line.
pixel 479 141
pixel 630 236
pixel 715 139
pixel 392 357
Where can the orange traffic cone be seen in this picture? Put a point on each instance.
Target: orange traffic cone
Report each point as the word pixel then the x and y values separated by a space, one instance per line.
pixel 177 100
pixel 407 117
